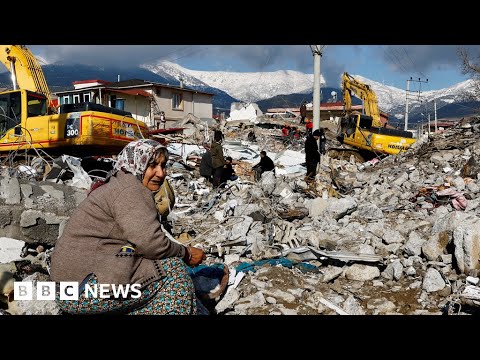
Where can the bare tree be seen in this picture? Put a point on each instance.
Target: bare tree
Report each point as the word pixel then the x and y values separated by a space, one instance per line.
pixel 472 68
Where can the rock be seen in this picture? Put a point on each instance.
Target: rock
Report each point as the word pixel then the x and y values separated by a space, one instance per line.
pixel 433 281
pixel 362 272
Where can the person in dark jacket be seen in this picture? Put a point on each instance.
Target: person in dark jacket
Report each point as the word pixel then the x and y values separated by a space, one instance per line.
pixel 265 164
pixel 228 172
pixel 217 158
pixel 312 156
pixel 206 167
pixel 303 112
pixel 323 141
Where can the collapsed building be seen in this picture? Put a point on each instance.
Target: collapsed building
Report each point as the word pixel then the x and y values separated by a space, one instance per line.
pixel 397 235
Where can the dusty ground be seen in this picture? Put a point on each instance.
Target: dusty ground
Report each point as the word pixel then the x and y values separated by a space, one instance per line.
pixel 397 299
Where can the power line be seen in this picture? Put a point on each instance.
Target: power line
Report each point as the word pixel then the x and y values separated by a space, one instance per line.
pixel 408 93
pixel 413 63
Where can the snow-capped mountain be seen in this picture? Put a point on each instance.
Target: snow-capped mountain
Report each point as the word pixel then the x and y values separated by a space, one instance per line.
pixel 174 72
pixel 245 86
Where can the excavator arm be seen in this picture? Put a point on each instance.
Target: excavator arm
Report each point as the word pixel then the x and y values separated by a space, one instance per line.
pixel 25 69
pixel 363 92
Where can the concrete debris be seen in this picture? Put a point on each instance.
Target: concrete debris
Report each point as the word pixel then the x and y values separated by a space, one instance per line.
pixel 397 235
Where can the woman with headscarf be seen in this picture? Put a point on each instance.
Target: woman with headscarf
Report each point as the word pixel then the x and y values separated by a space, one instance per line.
pixel 114 239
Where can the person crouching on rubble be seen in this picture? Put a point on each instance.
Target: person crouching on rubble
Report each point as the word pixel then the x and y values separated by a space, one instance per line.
pixel 114 237
pixel 228 172
pixel 265 164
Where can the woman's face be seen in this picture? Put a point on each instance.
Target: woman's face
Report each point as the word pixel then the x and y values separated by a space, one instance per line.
pixel 155 173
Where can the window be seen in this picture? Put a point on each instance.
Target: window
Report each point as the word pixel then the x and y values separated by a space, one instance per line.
pixel 365 122
pixel 177 102
pixel 10 112
pixel 65 100
pixel 76 98
pixel 36 105
pixel 120 104
pixel 86 97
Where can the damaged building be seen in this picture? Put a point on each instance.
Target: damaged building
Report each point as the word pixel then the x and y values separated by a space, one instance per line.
pixel 394 235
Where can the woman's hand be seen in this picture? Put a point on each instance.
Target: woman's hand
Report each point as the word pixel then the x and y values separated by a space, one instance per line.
pixel 194 256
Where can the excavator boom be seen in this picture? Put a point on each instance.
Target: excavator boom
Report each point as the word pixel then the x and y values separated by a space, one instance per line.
pixel 25 69
pixel 365 93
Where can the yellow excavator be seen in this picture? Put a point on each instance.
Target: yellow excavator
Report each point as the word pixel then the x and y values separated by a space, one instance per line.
pixel 366 131
pixel 29 121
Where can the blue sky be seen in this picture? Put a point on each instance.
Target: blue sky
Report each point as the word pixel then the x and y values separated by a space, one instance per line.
pixel 388 64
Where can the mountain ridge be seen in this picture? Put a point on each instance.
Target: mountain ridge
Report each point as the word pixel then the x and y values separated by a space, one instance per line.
pixel 391 100
pixel 453 101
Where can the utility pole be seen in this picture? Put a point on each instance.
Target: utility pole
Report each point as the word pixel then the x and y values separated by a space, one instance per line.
pixel 406 104
pixel 435 107
pixel 429 125
pixel 408 95
pixel 317 54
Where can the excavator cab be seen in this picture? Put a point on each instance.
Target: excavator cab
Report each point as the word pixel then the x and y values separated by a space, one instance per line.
pixel 36 104
pixel 10 111
pixel 348 125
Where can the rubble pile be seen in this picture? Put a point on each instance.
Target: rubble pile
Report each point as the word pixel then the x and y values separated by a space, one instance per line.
pixel 399 235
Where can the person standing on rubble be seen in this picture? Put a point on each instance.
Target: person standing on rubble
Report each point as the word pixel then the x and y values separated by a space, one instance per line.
pixel 323 141
pixel 303 112
pixel 218 160
pixel 251 136
pixel 265 164
pixel 163 120
pixel 309 126
pixel 312 156
pixel 114 238
pixel 206 167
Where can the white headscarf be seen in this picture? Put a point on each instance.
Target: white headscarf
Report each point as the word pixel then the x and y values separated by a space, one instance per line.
pixel 136 155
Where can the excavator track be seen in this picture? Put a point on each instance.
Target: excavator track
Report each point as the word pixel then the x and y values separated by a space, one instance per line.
pixel 346 154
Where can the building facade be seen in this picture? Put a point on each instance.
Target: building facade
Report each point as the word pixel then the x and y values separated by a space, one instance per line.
pixel 145 100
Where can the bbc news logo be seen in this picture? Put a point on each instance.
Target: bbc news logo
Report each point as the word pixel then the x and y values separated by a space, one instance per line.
pixel 23 290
